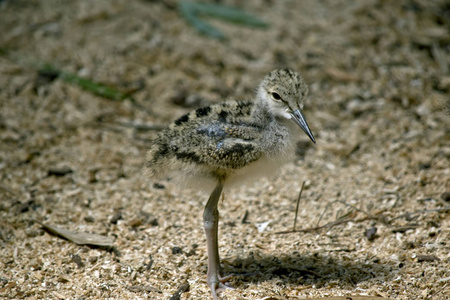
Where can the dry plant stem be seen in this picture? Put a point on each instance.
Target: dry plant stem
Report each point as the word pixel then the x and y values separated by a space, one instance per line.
pixel 183 288
pixel 298 202
pixel 442 209
pixel 369 217
pixel 323 213
pixel 360 210
pixel 146 288
pixel 437 292
pixel 328 225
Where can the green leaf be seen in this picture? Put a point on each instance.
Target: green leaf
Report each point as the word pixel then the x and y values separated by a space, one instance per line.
pixel 188 11
pixel 86 84
pixel 191 12
pixel 230 14
pixel 94 87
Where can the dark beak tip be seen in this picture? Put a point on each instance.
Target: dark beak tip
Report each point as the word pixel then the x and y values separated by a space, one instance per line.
pixel 301 121
pixel 310 135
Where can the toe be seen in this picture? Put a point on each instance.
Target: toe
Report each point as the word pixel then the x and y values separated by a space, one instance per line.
pixel 224 279
pixel 219 284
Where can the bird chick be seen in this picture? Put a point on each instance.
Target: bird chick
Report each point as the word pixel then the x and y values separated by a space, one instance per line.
pixel 230 143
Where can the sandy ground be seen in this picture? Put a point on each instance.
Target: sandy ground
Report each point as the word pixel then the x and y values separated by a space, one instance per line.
pixel 379 107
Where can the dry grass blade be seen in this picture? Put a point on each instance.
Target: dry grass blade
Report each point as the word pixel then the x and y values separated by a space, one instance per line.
pixel 298 202
pixel 344 220
pixel 423 211
pixel 183 288
pixel 358 209
pixel 143 288
pixel 80 238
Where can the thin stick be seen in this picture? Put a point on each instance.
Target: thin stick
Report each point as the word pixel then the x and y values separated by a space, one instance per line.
pixel 324 211
pixel 328 225
pixel 298 202
pixel 438 291
pixel 349 219
pixel 442 209
pixel 357 209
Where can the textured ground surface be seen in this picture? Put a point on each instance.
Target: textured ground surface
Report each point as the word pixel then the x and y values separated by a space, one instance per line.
pixel 379 78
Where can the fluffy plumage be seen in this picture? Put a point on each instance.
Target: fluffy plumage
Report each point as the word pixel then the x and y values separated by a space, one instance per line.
pixel 225 141
pixel 231 142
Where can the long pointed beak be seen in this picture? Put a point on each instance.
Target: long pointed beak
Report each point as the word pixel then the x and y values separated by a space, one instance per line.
pixel 298 118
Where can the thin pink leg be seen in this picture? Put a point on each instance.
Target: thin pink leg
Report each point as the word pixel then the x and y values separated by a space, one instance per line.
pixel 215 281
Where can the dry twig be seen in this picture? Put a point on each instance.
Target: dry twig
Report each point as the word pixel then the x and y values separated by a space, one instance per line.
pixel 298 202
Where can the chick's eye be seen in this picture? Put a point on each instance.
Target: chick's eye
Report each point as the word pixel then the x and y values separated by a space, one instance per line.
pixel 276 96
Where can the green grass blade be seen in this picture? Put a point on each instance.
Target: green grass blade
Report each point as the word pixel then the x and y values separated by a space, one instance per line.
pixel 191 12
pixel 188 11
pixel 230 14
pixel 86 84
pixel 94 87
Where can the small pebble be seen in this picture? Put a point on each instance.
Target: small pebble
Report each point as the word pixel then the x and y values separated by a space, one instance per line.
pixel 159 186
pixel 77 259
pixel 116 218
pixel 135 223
pixel 371 233
pixel 62 171
pixel 427 258
pixel 177 250
pixel 89 219
pixel 153 222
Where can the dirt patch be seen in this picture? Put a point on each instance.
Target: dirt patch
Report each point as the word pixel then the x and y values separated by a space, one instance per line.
pixel 378 106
